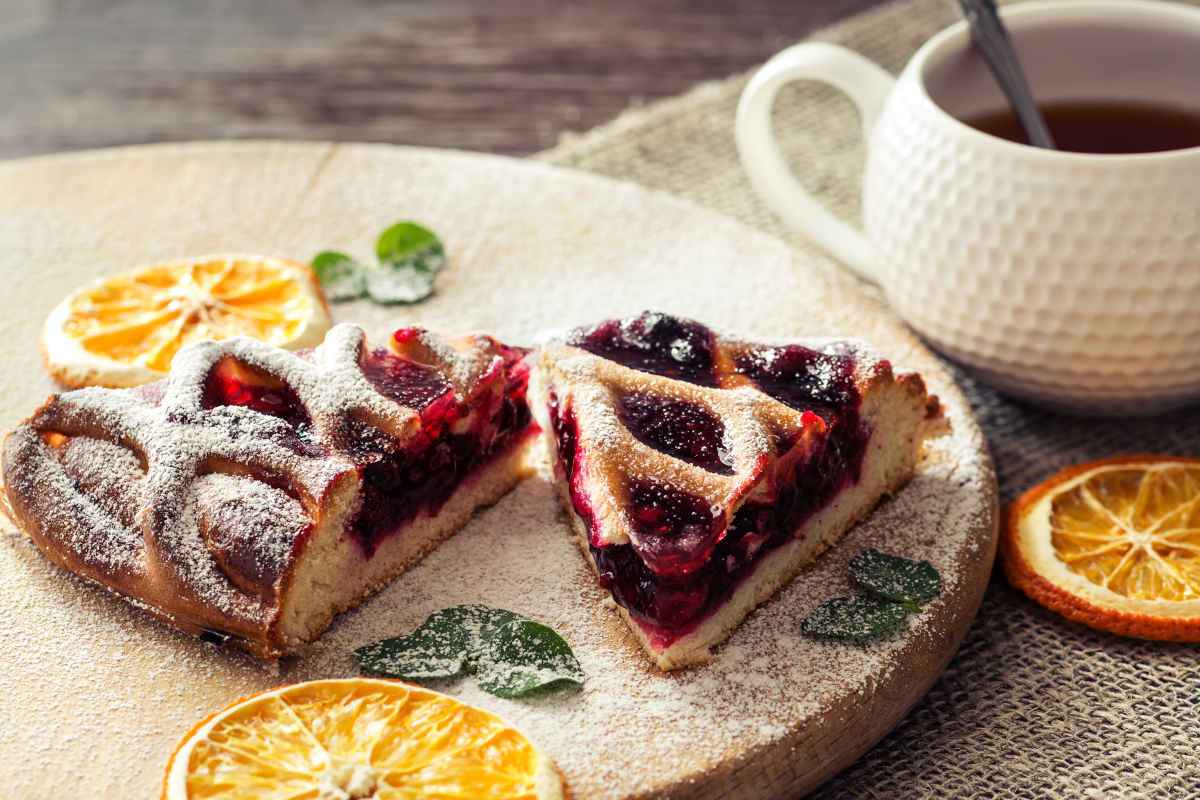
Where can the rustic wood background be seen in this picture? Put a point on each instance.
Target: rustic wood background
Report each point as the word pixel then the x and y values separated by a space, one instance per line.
pixel 505 76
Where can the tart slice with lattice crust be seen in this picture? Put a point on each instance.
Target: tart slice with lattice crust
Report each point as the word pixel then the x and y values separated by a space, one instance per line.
pixel 255 493
pixel 702 473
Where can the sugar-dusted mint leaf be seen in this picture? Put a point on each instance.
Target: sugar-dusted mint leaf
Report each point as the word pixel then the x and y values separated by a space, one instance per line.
pixel 524 656
pixel 855 619
pixel 900 580
pixel 481 622
pixel 399 284
pixel 437 649
pixel 410 244
pixel 510 654
pixel 341 277
pixel 409 255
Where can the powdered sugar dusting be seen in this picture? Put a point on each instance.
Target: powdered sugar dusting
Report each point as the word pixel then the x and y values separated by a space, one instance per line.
pixel 462 368
pixel 104 540
pixel 98 695
pixel 178 439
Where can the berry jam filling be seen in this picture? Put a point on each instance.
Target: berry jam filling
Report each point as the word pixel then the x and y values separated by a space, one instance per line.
pixel 802 378
pixel 406 382
pixel 677 530
pixel 680 429
pixel 811 381
pixel 657 343
pixel 234 384
pixel 566 434
pixel 456 438
pixel 686 564
pixel 670 605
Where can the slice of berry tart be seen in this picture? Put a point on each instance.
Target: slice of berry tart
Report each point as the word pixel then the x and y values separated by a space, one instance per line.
pixel 255 493
pixel 702 472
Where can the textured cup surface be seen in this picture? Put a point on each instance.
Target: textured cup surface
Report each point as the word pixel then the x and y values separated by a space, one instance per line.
pixel 1066 282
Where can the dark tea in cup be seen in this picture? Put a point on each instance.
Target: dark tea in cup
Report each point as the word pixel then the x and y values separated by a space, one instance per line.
pixel 1098 126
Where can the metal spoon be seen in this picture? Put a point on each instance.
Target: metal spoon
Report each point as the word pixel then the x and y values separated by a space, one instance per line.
pixel 991 37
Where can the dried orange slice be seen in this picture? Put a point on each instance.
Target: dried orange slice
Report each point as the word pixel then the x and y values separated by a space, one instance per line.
pixel 357 738
pixel 1114 544
pixel 123 330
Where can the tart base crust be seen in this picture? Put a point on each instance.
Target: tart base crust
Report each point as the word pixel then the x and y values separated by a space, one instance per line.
pixel 330 557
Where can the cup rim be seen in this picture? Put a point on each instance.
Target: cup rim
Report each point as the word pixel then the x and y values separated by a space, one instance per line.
pixel 957 33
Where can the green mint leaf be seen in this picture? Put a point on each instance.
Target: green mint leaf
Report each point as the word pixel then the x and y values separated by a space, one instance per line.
pixel 399 284
pixel 524 656
pixel 858 620
pixel 481 622
pixel 437 649
pixel 341 277
pixel 410 244
pixel 900 580
pixel 510 654
pixel 409 255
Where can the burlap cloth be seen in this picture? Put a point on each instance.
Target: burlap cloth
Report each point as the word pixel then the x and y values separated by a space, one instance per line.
pixel 1032 706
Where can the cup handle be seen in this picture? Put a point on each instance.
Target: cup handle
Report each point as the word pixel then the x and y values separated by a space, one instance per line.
pixel 867 85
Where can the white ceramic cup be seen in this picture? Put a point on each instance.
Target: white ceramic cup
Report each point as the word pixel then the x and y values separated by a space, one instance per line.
pixel 1068 279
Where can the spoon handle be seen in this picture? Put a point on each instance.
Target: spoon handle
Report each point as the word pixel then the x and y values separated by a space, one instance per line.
pixel 991 37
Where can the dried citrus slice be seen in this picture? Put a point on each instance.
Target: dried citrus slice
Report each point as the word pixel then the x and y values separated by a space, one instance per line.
pixel 357 738
pixel 1113 544
pixel 123 330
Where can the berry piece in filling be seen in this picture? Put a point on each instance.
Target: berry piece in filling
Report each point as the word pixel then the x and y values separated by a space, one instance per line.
pixel 406 382
pixel 457 436
pixel 672 605
pixel 676 530
pixel 684 430
pixel 802 378
pixel 231 383
pixel 657 343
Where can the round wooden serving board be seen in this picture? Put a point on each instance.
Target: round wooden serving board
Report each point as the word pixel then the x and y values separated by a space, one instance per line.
pixel 97 693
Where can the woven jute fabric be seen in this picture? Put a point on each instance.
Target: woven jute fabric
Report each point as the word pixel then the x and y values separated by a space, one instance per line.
pixel 1032 706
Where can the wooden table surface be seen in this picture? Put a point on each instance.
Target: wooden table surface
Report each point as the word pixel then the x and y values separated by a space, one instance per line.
pixel 505 76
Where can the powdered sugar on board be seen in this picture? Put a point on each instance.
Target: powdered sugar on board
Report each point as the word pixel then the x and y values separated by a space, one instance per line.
pixel 766 682
pixel 99 693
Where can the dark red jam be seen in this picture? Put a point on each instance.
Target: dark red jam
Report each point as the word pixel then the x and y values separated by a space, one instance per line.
pixel 566 434
pixel 678 428
pixel 802 378
pixel 677 531
pixel 408 383
pixel 657 343
pixel 398 485
pixel 687 561
pixel 234 384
